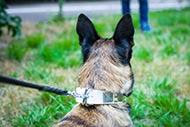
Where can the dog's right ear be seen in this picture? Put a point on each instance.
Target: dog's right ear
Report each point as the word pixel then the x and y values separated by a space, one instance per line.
pixel 123 37
pixel 124 30
pixel 87 35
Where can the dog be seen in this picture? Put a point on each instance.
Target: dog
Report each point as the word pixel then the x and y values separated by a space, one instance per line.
pixel 106 67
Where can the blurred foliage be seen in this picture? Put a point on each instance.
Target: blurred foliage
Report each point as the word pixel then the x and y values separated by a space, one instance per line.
pixel 144 54
pixel 59 16
pixel 13 23
pixel 35 40
pixel 16 50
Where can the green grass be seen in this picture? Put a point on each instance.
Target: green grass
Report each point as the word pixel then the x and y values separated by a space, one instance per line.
pixel 144 54
pixel 16 50
pixel 187 56
pixel 63 52
pixel 35 40
pixel 46 110
pixel 161 65
pixel 161 106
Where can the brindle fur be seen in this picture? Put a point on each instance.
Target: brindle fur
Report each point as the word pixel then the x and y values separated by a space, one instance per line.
pixel 106 67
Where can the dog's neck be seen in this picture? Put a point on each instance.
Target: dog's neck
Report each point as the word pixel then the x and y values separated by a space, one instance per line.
pixel 103 71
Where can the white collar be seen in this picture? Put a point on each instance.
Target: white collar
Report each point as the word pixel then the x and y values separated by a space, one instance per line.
pixel 91 96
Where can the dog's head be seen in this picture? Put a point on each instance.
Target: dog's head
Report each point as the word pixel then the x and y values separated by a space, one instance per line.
pixel 106 61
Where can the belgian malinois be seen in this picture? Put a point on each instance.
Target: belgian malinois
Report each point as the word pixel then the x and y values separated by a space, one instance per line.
pixel 106 67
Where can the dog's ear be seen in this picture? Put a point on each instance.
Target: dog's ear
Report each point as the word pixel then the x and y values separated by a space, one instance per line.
pixel 86 30
pixel 123 38
pixel 124 30
pixel 87 35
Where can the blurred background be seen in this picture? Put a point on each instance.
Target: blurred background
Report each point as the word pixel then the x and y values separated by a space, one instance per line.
pixel 38 43
pixel 41 10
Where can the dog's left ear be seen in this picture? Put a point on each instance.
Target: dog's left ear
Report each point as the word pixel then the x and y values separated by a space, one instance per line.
pixel 124 31
pixel 87 35
pixel 86 30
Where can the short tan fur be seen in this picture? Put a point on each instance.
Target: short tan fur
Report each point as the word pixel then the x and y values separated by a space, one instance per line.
pixel 106 66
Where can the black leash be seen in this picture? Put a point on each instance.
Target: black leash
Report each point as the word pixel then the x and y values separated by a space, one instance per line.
pixel 81 94
pixel 16 82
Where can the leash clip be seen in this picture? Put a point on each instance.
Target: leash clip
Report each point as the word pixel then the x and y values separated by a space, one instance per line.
pixel 74 94
pixel 85 96
pixel 82 97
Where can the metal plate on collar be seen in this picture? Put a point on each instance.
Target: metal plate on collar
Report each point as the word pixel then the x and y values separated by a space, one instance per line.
pixel 107 97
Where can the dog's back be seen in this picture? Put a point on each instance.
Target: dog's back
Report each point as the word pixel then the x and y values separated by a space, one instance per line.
pixel 107 68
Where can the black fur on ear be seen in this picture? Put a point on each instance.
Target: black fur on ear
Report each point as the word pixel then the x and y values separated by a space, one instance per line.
pixel 87 35
pixel 124 30
pixel 123 37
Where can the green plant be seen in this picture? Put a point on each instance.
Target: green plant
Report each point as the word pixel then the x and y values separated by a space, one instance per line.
pixel 169 50
pixel 45 111
pixel 16 50
pixel 62 52
pixel 59 16
pixel 13 23
pixel 144 54
pixel 52 52
pixel 34 71
pixel 187 56
pixel 35 40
